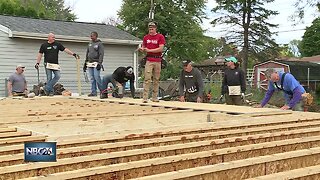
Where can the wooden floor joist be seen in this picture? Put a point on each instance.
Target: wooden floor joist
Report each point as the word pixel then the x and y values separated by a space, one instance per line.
pixel 125 139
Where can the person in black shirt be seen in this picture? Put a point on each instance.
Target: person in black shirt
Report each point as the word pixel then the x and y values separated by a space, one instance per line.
pixel 51 49
pixel 233 84
pixel 118 79
pixel 190 83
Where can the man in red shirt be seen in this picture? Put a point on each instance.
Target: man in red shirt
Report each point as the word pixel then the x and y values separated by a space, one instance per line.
pixel 153 44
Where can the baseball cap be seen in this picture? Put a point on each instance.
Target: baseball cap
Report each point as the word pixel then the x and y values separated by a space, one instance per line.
pixel 129 70
pixel 19 66
pixel 186 62
pixel 152 24
pixel 233 59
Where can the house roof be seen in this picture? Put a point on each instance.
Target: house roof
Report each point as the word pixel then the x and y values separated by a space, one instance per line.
pixel 64 30
pixel 300 69
pixel 315 59
pixel 219 60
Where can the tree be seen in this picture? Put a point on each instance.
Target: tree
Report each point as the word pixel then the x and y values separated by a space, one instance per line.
pixel 249 28
pixel 179 21
pixel 310 43
pixel 304 5
pixel 45 9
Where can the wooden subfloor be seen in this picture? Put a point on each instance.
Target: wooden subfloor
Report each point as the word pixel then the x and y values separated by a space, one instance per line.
pixel 128 139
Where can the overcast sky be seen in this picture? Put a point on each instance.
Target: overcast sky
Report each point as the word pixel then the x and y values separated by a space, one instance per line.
pixel 99 10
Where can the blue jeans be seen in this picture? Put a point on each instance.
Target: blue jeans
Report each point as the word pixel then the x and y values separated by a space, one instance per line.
pixel 51 81
pixel 106 80
pixel 95 79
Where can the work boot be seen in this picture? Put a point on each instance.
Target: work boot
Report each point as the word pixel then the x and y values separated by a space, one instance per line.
pixel 103 96
pixel 92 95
pixel 144 101
pixel 46 92
pixel 155 100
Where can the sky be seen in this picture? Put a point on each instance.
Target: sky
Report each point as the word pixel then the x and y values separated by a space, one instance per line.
pixel 100 10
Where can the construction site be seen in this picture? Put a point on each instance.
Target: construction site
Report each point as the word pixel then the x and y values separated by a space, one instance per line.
pixel 126 139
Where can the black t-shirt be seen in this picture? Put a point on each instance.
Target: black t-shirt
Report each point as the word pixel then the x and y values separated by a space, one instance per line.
pixel 120 75
pixel 51 51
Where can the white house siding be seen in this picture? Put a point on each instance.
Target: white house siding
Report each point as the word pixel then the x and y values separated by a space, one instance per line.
pixel 24 51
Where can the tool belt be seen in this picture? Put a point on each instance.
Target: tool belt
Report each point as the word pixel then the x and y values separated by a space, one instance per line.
pixel 153 56
pixel 93 64
pixel 53 66
pixel 143 62
pixel 234 90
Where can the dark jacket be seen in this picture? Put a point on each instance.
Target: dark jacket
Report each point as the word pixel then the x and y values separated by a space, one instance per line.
pixel 122 77
pixel 95 52
pixel 233 77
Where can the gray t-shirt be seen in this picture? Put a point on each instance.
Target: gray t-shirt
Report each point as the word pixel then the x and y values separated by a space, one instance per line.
pixel 18 82
pixel 191 82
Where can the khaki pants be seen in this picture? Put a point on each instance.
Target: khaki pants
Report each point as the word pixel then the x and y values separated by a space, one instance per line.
pixel 152 70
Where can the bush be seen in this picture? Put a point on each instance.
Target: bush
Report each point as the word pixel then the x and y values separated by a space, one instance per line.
pixel 317 95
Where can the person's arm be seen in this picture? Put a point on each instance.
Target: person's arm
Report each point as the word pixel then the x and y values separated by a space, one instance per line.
pixel 68 51
pixel 181 84
pixel 224 84
pixel 297 95
pixel 156 50
pixel 101 53
pixel 25 86
pixel 9 86
pixel 243 82
pixel 200 84
pixel 87 59
pixel 132 89
pixel 39 57
pixel 267 97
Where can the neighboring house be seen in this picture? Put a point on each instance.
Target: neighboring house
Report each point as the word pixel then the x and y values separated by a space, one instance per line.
pixel 20 40
pixel 211 67
pixel 306 73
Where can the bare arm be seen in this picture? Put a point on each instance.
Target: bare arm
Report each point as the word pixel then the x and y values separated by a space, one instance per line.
pixel 68 51
pixel 39 57
pixel 156 50
pixel 9 86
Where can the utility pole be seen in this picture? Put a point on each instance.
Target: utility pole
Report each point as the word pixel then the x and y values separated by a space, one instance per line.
pixel 151 13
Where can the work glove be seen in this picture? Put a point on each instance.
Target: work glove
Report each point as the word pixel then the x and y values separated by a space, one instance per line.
pixel 36 66
pixel 220 99
pixel 243 97
pixel 76 56
pixel 85 67
pixel 98 66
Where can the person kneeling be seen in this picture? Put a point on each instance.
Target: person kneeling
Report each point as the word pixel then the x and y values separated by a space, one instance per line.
pixel 118 79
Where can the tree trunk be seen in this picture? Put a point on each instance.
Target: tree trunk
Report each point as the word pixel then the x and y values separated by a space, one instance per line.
pixel 246 21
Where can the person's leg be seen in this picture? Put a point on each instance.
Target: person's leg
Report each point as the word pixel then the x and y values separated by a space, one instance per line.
pixel 93 82
pixel 228 99
pixel 97 78
pixel 104 86
pixel 237 100
pixel 47 87
pixel 147 80
pixel 106 79
pixel 54 80
pixel 156 81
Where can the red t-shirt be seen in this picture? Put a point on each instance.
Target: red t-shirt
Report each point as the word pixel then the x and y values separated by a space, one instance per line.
pixel 153 42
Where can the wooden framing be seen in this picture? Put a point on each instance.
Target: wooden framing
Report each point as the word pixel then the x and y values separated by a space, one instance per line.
pixel 203 142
